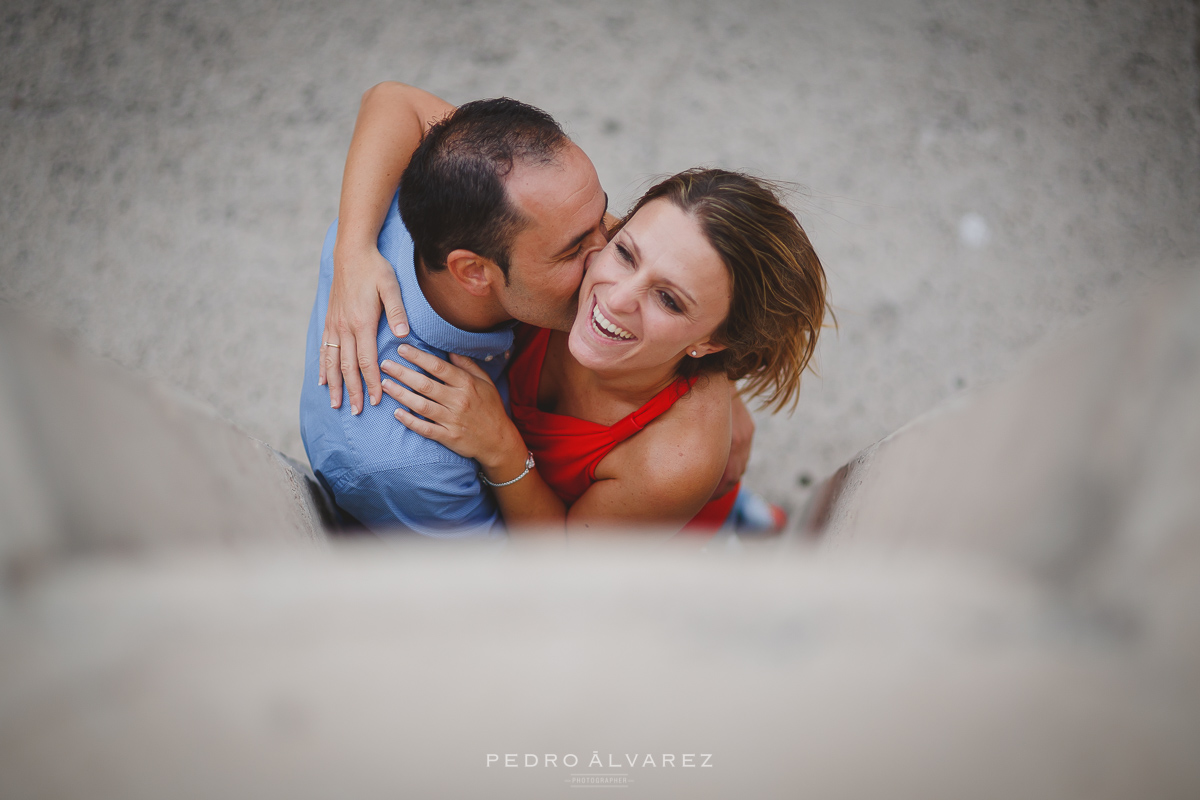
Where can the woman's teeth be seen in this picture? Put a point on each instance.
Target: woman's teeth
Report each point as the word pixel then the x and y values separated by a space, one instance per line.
pixel 607 327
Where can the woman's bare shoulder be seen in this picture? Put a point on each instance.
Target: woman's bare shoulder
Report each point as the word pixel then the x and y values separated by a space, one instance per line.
pixel 701 418
pixel 690 439
pixel 711 393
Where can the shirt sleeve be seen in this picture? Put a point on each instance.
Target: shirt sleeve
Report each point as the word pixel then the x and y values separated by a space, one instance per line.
pixel 442 499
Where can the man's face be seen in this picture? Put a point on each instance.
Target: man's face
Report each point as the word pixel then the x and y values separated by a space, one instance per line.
pixel 565 206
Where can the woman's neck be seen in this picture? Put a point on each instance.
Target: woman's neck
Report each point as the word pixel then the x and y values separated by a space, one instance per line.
pixel 599 396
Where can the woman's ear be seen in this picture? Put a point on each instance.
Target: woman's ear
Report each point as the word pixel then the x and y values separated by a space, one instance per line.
pixel 702 349
pixel 471 271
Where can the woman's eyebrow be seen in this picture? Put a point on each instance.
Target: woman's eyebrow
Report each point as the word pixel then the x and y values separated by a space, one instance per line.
pixel 637 254
pixel 681 290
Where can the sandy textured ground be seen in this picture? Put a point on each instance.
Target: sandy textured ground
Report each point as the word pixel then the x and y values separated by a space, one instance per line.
pixel 977 175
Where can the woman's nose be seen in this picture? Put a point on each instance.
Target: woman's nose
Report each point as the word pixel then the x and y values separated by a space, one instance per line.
pixel 623 295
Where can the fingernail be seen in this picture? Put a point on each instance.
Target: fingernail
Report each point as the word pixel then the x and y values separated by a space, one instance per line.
pixel 387 363
pixel 386 381
pixel 402 330
pixel 401 348
pixel 396 414
pixel 353 409
pixel 333 403
pixel 320 381
pixel 374 401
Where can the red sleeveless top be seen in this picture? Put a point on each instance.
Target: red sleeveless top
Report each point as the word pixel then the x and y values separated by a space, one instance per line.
pixel 568 449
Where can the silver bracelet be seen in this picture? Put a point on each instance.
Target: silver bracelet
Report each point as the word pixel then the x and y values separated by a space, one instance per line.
pixel 529 464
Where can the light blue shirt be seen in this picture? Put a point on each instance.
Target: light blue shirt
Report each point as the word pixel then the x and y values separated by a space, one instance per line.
pixel 385 475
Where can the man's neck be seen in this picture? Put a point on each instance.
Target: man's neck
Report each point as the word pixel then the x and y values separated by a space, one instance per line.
pixel 457 306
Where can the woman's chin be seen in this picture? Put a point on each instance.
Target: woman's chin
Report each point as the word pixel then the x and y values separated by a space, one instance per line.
pixel 588 351
pixel 583 354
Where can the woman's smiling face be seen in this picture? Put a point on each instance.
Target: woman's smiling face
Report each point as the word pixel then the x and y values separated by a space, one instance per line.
pixel 656 292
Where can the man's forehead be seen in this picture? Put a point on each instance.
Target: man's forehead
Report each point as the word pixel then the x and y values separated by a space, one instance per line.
pixel 558 197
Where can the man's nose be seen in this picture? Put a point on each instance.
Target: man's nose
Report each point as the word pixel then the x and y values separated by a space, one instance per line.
pixel 591 257
pixel 594 245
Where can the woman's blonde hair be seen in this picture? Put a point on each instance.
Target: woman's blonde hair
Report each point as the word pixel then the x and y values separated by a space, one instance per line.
pixel 778 304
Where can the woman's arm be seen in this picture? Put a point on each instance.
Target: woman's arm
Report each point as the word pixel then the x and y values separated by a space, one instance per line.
pixel 391 121
pixel 660 477
pixel 666 473
pixel 463 411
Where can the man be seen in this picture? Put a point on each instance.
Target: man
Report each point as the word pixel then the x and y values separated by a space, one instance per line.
pixel 495 218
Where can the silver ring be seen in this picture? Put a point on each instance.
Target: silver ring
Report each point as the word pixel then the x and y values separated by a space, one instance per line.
pixel 330 344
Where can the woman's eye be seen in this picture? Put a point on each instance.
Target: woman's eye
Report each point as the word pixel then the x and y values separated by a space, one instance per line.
pixel 623 252
pixel 668 301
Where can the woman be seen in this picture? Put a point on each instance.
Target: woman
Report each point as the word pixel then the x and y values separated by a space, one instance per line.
pixel 710 279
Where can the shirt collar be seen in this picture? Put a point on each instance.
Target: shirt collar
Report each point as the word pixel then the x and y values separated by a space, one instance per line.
pixel 437 332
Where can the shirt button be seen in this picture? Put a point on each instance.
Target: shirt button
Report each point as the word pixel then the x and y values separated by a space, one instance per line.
pixel 487 358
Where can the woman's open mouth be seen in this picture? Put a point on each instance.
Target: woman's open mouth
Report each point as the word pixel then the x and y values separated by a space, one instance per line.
pixel 606 328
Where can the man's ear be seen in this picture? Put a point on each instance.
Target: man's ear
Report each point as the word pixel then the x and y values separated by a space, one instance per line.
pixel 471 271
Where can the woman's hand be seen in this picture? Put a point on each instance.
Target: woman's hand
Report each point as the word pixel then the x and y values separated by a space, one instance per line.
pixel 463 411
pixel 461 407
pixel 391 121
pixel 363 285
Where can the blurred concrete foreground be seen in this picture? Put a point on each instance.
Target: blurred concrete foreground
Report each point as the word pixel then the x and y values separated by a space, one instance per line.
pixel 998 600
pixel 992 583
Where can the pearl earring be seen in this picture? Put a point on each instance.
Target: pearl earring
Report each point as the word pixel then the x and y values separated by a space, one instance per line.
pixel 694 353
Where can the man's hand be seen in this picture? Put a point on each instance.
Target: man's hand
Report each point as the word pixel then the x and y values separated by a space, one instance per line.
pixel 739 448
pixel 363 285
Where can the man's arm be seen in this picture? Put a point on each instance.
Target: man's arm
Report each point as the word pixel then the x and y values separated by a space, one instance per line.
pixel 391 121
pixel 440 498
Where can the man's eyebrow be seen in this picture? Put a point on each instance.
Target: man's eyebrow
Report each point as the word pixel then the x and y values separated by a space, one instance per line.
pixel 574 243
pixel 579 239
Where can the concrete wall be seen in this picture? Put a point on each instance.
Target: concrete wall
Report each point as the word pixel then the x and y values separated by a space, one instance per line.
pixel 1002 605
pixel 1082 466
pixel 1081 469
pixel 94 458
pixel 385 672
pixel 1004 601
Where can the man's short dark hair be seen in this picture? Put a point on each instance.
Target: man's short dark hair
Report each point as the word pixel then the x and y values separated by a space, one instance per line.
pixel 452 194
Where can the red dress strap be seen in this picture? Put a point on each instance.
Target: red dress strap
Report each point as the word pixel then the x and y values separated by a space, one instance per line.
pixel 569 449
pixel 656 406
